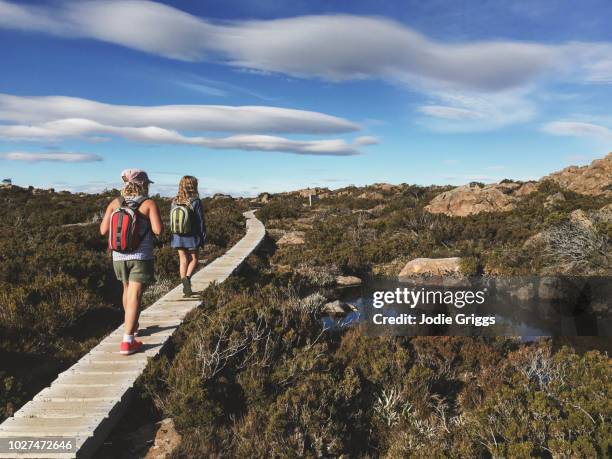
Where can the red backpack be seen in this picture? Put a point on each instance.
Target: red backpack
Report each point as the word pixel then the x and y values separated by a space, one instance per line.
pixel 124 234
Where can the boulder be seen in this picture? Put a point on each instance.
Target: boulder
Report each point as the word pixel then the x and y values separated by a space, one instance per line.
pixel 344 192
pixel 378 209
pixel 426 267
pixel 535 241
pixel 508 186
pixel 553 200
pixel 167 439
pixel 276 233
pixel 372 195
pixel 292 238
pixel 347 281
pixel 472 199
pixel 525 189
pixel 384 186
pixel 580 218
pixel 338 308
pixel 594 179
pixel 304 193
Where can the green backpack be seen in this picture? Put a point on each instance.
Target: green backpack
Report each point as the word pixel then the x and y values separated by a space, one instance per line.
pixel 181 218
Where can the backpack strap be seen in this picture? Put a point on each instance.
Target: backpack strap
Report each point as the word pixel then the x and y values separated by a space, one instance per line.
pixel 139 202
pixel 193 203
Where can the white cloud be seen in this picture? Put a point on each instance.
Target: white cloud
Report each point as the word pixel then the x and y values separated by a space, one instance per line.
pixel 56 156
pixel 578 129
pixel 202 118
pixel 600 72
pixel 203 88
pixel 451 113
pixel 333 47
pixel 366 140
pixel 83 128
pixel 472 111
pixel 58 118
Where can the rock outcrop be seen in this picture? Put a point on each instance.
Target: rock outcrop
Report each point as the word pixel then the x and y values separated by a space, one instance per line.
pixel 305 192
pixel 525 189
pixel 347 281
pixel 553 200
pixel 292 238
pixel 594 179
pixel 473 199
pixel 167 439
pixel 384 186
pixel 338 308
pixel 372 195
pixel 263 198
pixel 426 267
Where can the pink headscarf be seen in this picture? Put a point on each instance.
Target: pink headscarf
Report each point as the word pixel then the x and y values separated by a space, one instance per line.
pixel 135 176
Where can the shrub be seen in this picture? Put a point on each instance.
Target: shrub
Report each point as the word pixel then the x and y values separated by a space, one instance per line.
pixel 469 266
pixel 279 208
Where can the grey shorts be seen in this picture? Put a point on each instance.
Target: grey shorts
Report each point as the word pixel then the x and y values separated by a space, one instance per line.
pixel 142 271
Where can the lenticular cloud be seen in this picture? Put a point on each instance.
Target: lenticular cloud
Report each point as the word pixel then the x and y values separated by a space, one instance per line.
pixel 59 118
pixel 55 156
pixel 203 118
pixel 332 47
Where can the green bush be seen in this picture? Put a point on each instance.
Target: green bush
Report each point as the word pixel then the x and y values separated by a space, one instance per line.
pixel 279 208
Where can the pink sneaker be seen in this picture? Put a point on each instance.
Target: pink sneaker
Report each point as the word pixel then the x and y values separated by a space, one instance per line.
pixel 130 348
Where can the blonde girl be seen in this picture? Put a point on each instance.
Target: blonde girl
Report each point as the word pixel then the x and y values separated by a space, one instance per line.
pixel 135 268
pixel 187 241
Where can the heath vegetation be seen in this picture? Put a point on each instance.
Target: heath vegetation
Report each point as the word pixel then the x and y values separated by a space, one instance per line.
pixel 253 372
pixel 58 291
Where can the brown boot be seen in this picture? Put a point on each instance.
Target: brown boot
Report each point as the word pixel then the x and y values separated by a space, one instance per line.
pixel 186 286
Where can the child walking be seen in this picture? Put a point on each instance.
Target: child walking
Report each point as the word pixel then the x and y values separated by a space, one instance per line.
pixel 188 228
pixel 130 222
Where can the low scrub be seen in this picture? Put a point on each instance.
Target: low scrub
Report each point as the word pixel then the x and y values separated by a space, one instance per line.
pixel 58 292
pixel 254 374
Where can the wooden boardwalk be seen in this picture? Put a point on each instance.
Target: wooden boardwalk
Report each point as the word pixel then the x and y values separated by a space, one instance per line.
pixel 87 400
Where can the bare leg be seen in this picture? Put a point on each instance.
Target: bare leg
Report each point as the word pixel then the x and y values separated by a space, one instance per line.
pixel 193 262
pixel 124 296
pixel 182 262
pixel 134 294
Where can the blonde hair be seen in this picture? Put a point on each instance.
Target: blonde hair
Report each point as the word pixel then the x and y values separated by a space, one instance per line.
pixel 132 190
pixel 187 191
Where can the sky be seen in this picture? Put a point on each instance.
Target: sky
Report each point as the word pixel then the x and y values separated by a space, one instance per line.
pixel 261 95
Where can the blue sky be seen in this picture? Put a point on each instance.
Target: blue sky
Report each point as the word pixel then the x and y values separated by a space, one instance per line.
pixel 255 96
